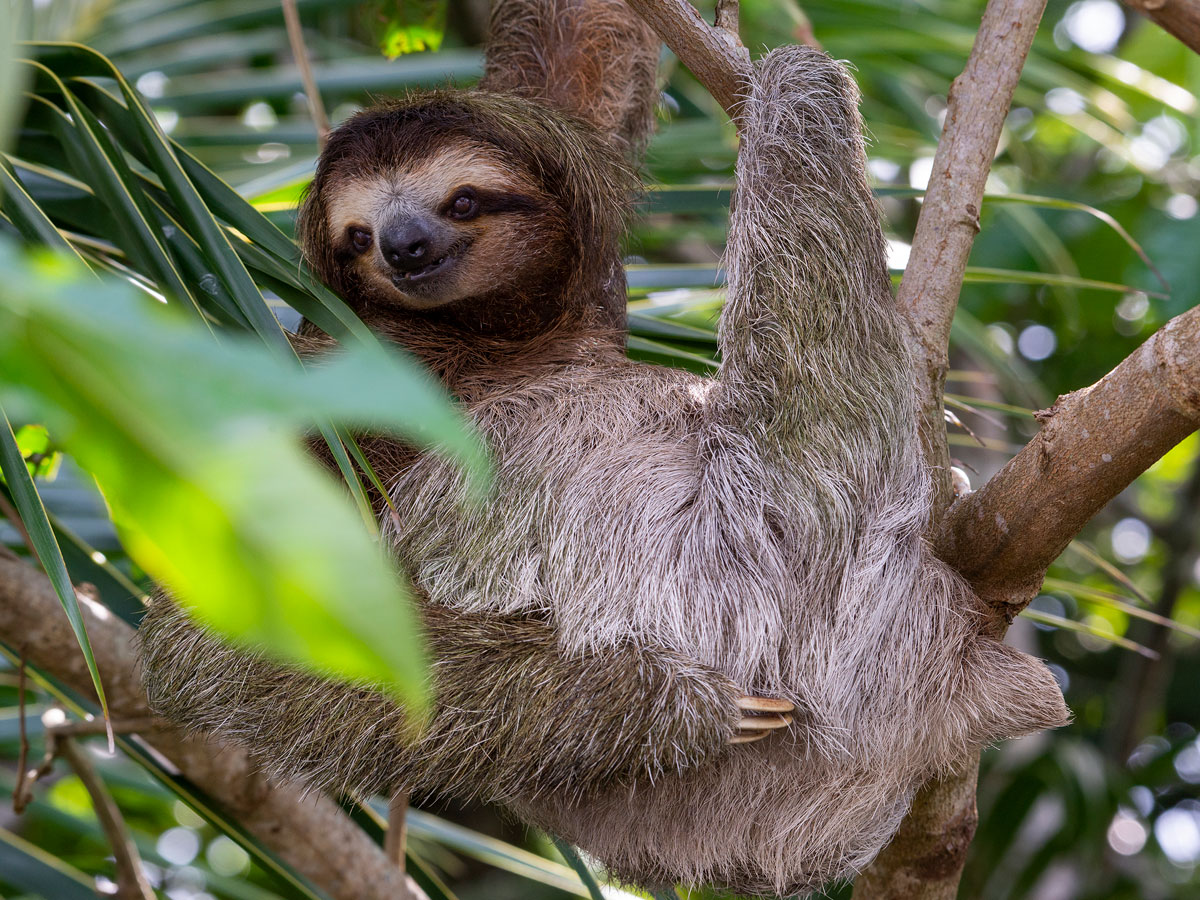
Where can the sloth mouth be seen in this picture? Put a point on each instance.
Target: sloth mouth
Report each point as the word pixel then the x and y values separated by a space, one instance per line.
pixel 424 272
pixel 427 272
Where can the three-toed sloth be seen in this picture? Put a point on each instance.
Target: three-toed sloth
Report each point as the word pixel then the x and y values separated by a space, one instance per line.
pixel 669 562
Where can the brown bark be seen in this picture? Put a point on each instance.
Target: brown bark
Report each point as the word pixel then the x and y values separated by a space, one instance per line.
pixel 309 833
pixel 925 859
pixel 132 883
pixel 1180 18
pixel 977 104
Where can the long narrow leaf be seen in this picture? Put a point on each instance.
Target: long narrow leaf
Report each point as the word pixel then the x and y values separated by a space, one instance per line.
pixel 1080 548
pixel 1113 601
pixel 1036 615
pixel 31 869
pixel 192 211
pixel 26 215
pixel 41 535
pixel 106 171
pixel 575 861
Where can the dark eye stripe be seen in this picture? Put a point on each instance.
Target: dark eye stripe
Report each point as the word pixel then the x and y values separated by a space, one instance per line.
pixel 496 202
pixel 502 201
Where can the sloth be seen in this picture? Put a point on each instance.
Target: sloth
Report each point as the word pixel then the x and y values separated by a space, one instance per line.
pixel 696 631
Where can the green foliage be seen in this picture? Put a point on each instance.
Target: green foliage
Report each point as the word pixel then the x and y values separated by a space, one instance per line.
pixel 408 26
pixel 195 445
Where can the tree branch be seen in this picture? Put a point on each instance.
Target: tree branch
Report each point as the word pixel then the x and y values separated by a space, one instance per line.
pixel 977 104
pixel 1178 17
pixel 1093 443
pixel 310 833
pixel 714 54
pixel 925 858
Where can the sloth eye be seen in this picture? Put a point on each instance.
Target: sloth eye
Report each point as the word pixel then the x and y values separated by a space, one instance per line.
pixel 464 206
pixel 360 238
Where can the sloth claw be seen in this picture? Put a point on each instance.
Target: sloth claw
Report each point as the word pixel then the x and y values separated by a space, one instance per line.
pixel 753 727
pixel 747 738
pixel 764 704
pixel 763 723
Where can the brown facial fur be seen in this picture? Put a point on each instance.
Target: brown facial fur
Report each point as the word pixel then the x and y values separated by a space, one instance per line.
pixel 544 247
pixel 518 235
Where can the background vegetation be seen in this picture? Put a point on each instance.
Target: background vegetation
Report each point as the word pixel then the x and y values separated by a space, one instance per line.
pixel 1088 244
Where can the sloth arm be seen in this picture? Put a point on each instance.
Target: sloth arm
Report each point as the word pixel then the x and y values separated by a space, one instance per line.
pixel 549 722
pixel 812 341
pixel 513 716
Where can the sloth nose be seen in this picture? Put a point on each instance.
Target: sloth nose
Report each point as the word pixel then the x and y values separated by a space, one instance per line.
pixel 405 245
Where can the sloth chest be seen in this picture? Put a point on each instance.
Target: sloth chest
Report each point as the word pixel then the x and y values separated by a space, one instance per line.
pixel 614 522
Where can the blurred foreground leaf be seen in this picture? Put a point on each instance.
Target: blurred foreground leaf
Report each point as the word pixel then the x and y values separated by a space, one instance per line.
pixel 196 445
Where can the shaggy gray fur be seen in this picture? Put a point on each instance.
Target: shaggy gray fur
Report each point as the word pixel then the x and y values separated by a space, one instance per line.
pixel 764 525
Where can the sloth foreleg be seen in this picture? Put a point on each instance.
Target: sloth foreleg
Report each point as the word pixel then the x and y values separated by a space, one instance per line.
pixel 513 714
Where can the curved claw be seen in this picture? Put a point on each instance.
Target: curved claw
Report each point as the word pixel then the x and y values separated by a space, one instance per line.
pixel 764 704
pixel 748 738
pixel 763 723
pixel 765 714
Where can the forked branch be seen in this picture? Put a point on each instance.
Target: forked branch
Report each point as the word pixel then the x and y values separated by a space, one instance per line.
pixel 713 53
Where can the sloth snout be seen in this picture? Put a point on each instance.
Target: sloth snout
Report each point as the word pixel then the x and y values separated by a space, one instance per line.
pixel 406 244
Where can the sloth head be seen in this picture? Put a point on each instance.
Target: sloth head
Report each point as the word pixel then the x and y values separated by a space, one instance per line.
pixel 486 210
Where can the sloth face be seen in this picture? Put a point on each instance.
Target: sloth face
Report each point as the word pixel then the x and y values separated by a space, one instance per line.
pixel 459 223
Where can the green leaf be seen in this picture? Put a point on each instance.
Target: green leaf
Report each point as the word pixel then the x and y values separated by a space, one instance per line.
pixel 409 26
pixel 575 861
pixel 41 535
pixel 11 74
pixel 1090 594
pixel 106 171
pixel 193 213
pixel 1036 615
pixel 26 215
pixel 196 446
pixel 29 868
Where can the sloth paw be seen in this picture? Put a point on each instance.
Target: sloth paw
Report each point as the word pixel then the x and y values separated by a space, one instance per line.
pixel 765 714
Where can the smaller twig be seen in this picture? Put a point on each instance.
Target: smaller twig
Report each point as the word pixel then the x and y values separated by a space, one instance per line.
pixel 27 778
pixel 727 15
pixel 54 736
pixel 316 105
pixel 1178 17
pixel 977 103
pixel 131 877
pixel 715 55
pixel 89 727
pixel 23 750
pixel 397 830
